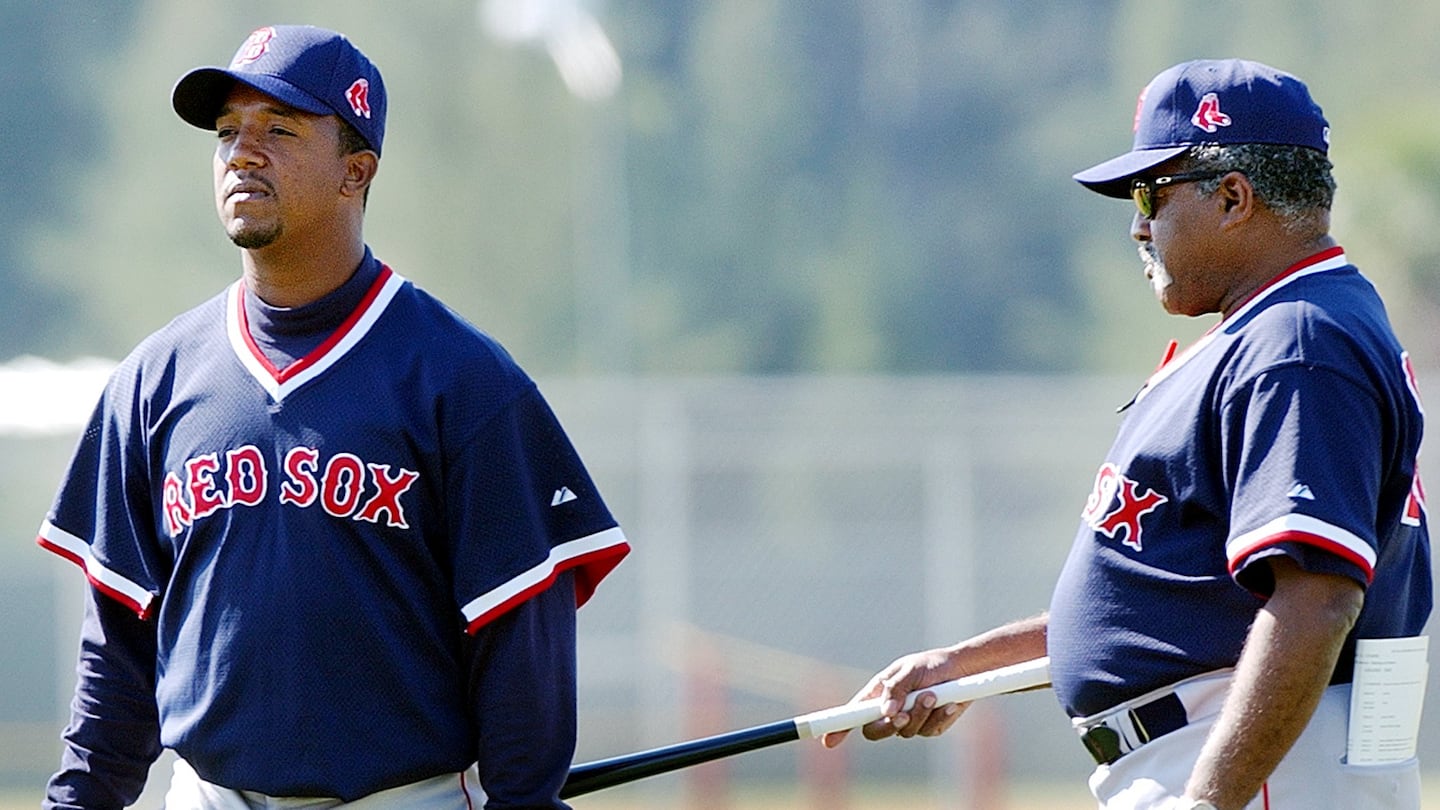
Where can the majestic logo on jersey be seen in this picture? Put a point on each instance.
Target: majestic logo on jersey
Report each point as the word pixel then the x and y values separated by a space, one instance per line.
pixel 1116 503
pixel 359 97
pixel 254 47
pixel 344 486
pixel 1208 116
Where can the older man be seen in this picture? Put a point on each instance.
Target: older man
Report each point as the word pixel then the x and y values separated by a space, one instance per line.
pixel 1260 513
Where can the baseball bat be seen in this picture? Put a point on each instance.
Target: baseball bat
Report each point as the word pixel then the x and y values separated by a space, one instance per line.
pixel 604 773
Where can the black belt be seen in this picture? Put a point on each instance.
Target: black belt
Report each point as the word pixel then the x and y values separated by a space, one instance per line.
pixel 1124 731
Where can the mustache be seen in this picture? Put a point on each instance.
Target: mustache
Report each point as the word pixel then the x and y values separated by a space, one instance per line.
pixel 245 181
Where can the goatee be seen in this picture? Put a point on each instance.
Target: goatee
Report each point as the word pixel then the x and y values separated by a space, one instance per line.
pixel 253 238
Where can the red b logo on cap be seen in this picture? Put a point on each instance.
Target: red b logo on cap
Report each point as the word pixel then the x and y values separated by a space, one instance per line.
pixel 1208 116
pixel 254 47
pixel 359 97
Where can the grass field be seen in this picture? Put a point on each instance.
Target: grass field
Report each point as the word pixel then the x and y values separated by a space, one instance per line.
pixel 871 797
pixel 860 796
pixel 1071 797
pixel 1016 797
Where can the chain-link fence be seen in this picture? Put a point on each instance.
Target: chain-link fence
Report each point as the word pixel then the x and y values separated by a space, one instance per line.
pixel 791 536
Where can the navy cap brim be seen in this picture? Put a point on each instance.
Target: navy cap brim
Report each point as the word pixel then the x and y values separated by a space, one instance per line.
pixel 199 95
pixel 1112 178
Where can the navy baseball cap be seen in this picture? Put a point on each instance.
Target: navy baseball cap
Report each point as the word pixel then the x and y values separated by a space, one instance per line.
pixel 1212 101
pixel 308 68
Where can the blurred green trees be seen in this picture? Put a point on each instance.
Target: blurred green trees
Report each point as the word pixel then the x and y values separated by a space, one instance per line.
pixel 846 187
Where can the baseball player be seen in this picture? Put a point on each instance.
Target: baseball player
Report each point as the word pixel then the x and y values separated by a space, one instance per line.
pixel 335 535
pixel 1260 512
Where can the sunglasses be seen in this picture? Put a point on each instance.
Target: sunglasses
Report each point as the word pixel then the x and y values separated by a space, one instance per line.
pixel 1143 190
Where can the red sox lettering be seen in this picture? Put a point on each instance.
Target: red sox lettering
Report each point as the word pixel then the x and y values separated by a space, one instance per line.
pixel 1116 503
pixel 345 486
pixel 1415 504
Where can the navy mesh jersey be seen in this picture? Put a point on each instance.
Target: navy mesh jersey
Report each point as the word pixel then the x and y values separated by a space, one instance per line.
pixel 1292 428
pixel 313 543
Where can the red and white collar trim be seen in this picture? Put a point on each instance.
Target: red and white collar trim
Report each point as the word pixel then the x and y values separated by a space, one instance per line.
pixel 280 383
pixel 1322 262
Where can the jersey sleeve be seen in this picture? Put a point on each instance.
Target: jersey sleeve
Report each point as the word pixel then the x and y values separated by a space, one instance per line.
pixel 1303 450
pixel 523 698
pixel 114 733
pixel 102 519
pixel 524 509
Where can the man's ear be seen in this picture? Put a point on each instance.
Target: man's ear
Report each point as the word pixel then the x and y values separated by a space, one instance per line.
pixel 360 169
pixel 1236 197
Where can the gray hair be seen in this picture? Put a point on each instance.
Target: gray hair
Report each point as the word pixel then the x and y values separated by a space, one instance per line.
pixel 1295 182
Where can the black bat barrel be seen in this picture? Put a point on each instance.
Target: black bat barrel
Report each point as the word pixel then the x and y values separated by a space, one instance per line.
pixel 604 773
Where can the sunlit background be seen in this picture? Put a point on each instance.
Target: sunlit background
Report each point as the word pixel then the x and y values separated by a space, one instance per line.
pixel 809 283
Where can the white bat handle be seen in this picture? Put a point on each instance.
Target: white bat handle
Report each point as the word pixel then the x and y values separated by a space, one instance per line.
pixel 1014 678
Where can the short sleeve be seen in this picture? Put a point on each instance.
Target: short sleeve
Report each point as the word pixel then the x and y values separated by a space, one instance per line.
pixel 102 519
pixel 522 509
pixel 1302 449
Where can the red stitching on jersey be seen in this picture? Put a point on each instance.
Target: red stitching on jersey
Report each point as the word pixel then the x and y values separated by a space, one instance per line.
pixel 1324 255
pixel 142 611
pixel 1294 535
pixel 324 348
pixel 1173 364
pixel 464 791
pixel 590 569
